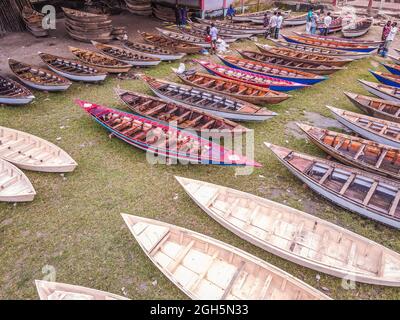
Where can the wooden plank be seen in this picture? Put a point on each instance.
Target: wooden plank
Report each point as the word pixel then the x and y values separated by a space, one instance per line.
pixel 395 203
pixel 347 184
pixel 381 157
pixel 265 287
pixel 232 282
pixel 370 193
pixel 181 255
pixel 204 273
pixel 359 152
pixel 326 175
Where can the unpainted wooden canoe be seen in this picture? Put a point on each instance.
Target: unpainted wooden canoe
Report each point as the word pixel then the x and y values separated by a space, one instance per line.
pixel 381 90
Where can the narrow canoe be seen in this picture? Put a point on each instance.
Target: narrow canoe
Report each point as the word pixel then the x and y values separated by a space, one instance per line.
pixel 319 69
pixel 320 50
pixel 176 36
pixel 83 16
pixel 62 291
pixel 295 20
pixel 153 51
pixel 236 89
pixel 331 44
pixel 14 184
pixel 72 69
pixel 239 28
pixel 357 29
pixel 300 56
pixel 100 61
pixel 381 131
pixel 382 91
pixel 128 56
pixel 271 70
pixel 359 191
pixel 387 78
pixel 202 34
pixel 295 235
pixel 250 77
pixel 30 152
pixel 13 93
pixel 177 46
pixel 165 141
pixel 392 68
pixel 396 60
pixel 384 109
pixel 183 116
pixel 335 26
pixel 216 103
pixel 38 78
pixel 205 268
pixel 223 32
pixel 338 39
pixel 355 151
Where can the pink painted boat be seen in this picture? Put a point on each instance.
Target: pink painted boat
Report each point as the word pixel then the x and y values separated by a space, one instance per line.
pixel 163 140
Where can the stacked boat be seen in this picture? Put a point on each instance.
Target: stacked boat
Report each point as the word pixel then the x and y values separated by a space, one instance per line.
pixel 34 22
pixel 139 7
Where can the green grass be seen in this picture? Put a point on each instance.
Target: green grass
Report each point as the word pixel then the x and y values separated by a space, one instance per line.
pixel 74 224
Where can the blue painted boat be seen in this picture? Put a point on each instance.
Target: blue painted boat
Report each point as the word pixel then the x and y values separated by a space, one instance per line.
pixel 392 68
pixel 271 70
pixel 387 78
pixel 330 44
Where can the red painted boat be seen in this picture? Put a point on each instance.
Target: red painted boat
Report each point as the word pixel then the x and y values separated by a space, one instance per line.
pixel 163 140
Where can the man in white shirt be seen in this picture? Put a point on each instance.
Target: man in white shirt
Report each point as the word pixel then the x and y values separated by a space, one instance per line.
pixel 214 38
pixel 272 23
pixel 389 39
pixel 327 23
pixel 279 21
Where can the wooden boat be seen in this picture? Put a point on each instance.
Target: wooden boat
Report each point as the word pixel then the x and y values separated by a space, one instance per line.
pixel 87 37
pixel 165 141
pixel 38 78
pixel 33 21
pixel 383 91
pixel 396 60
pixel 367 194
pixel 202 34
pixel 300 56
pixel 358 29
pixel 340 40
pixel 61 291
pixel 223 32
pixel 29 152
pixel 392 68
pixel 185 117
pixel 215 103
pixel 153 51
pixel 181 37
pixel 82 16
pixel 14 184
pixel 255 17
pixel 335 26
pixel 387 78
pixel 320 50
pixel 250 77
pixel 384 109
pixel 318 69
pixel 176 46
pixel 134 58
pixel 238 28
pixel 100 61
pixel 295 20
pixel 72 69
pixel 295 235
pixel 381 131
pixel 13 93
pixel 236 89
pixel 271 70
pixel 331 44
pixel 205 268
pixel 355 151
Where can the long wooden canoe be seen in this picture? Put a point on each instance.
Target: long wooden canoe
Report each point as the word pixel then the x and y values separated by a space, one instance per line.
pixel 163 140
pixel 271 70
pixel 134 58
pixel 38 78
pixel 295 235
pixel 355 151
pixel 383 91
pixel 205 268
pixel 392 68
pixel 320 50
pixel 202 34
pixel 223 32
pixel 153 51
pixel 82 16
pixel 331 44
pixel 249 77
pixel 287 63
pixel 72 69
pixel 14 184
pixel 359 191
pixel 340 40
pixel 300 56
pixel 185 116
pixel 387 78
pixel 100 61
pixel 239 28
pixel 216 103
pixel 29 152
pixel 177 46
pixel 297 20
pixel 381 131
pixel 181 37
pixel 236 89
pixel 62 291
pixel 13 93
pixel 384 109
pixel 357 29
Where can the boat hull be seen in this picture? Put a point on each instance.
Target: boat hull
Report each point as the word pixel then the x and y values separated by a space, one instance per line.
pixel 73 77
pixel 386 80
pixel 392 70
pixel 379 93
pixel 16 101
pixel 44 87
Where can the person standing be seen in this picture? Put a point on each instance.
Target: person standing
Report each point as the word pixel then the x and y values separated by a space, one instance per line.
pixel 183 16
pixel 272 24
pixel 266 24
pixel 385 33
pixel 327 24
pixel 308 20
pixel 389 39
pixel 314 23
pixel 230 13
pixel 279 21
pixel 214 38
pixel 177 16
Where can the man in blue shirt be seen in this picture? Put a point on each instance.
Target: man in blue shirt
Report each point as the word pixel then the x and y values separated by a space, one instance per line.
pixel 231 12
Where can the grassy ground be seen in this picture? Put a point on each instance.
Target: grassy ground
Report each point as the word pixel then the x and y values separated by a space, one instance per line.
pixel 74 224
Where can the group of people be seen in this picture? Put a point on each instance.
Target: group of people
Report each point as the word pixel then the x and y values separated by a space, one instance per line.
pixel 313 20
pixel 181 16
pixel 273 24
pixel 388 34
